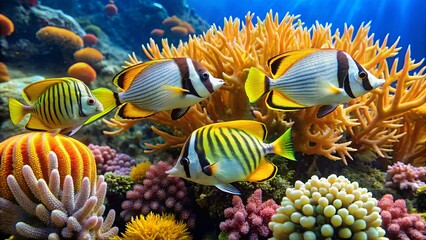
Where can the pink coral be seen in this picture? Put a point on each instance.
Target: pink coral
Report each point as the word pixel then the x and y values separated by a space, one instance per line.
pixel 158 193
pixel 108 160
pixel 405 177
pixel 398 223
pixel 250 220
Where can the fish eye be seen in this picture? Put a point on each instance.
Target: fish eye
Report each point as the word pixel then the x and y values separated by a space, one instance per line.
pixel 362 74
pixel 205 75
pixel 91 101
pixel 184 161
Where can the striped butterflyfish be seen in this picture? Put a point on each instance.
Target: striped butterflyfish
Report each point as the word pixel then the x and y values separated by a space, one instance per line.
pixel 158 85
pixel 221 153
pixel 311 77
pixel 56 105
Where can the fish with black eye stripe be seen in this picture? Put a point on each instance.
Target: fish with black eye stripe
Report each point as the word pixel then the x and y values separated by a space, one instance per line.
pixel 310 77
pixel 222 153
pixel 158 85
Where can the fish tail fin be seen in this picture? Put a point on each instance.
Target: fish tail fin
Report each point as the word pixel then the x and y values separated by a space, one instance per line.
pixel 17 110
pixel 283 146
pixel 109 101
pixel 257 84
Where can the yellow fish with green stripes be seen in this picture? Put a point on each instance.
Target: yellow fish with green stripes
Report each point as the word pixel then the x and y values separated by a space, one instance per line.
pixel 56 105
pixel 221 153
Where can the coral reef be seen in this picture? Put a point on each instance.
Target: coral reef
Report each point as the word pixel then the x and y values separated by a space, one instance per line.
pixel 159 193
pixel 327 208
pixel 371 121
pixel 405 177
pixel 154 226
pixel 88 55
pixel 138 172
pixel 118 184
pixel 399 224
pixel 6 26
pixel 108 160
pixel 89 40
pixel 32 149
pixel 82 71
pixel 60 211
pixel 60 37
pixel 250 220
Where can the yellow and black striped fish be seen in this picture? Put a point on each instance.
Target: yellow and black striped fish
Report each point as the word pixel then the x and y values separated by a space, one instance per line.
pixel 158 85
pixel 221 153
pixel 56 105
pixel 310 77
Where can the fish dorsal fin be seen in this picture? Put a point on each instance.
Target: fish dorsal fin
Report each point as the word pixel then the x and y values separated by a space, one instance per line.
pixel 35 124
pixel 279 64
pixel 124 79
pixel 254 128
pixel 265 171
pixel 33 91
pixel 277 100
pixel 130 111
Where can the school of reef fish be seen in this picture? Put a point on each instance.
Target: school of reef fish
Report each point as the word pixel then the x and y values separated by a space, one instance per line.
pixel 262 128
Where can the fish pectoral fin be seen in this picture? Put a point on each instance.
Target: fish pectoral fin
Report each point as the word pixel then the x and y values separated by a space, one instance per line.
pixel 178 113
pixel 34 90
pixel 265 171
pixel 326 109
pixel 279 64
pixel 278 101
pixel 35 124
pixel 226 187
pixel 130 111
pixel 333 89
pixel 176 91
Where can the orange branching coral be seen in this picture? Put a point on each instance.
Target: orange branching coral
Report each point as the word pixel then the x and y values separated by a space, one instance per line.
pixel 33 149
pixel 371 121
pixel 61 37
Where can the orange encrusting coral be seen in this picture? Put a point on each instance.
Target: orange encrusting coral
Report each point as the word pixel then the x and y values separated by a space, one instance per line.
pixel 74 158
pixel 6 26
pixel 82 71
pixel 88 55
pixel 372 120
pixel 60 37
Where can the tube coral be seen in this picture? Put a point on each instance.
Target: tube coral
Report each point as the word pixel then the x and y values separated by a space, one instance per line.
pixel 62 212
pixel 371 121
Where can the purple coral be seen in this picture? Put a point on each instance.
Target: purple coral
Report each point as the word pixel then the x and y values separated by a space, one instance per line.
pixel 158 193
pixel 250 220
pixel 399 224
pixel 108 160
pixel 405 177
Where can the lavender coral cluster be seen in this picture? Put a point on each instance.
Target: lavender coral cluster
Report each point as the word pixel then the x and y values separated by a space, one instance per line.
pixel 158 193
pixel 108 160
pixel 399 224
pixel 402 176
pixel 250 220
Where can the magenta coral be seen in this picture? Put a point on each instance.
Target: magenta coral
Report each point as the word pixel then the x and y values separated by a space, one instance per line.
pixel 158 193
pixel 405 177
pixel 250 220
pixel 399 224
pixel 108 160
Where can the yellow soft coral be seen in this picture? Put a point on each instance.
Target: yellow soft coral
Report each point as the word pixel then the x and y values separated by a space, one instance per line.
pixel 138 172
pixel 155 226
pixel 372 121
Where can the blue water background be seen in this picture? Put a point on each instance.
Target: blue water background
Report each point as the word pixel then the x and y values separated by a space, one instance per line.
pixel 405 18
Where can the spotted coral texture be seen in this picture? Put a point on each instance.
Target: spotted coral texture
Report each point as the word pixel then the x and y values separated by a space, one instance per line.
pixel 371 123
pixel 138 172
pixel 82 71
pixel 6 26
pixel 155 226
pixel 60 37
pixel 33 149
pixel 88 55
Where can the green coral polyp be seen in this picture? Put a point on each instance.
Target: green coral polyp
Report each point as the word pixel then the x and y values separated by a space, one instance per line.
pixel 327 208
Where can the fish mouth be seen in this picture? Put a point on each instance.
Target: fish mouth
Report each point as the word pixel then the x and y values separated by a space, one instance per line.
pixel 380 82
pixel 172 171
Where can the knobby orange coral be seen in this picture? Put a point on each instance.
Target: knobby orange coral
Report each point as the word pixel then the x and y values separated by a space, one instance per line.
pixel 88 55
pixel 6 26
pixel 371 121
pixel 33 149
pixel 60 37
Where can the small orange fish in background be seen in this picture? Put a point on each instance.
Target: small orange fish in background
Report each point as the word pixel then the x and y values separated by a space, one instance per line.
pixel 111 9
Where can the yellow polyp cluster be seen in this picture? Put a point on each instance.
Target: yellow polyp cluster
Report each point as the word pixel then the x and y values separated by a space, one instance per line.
pixel 74 158
pixel 138 172
pixel 373 122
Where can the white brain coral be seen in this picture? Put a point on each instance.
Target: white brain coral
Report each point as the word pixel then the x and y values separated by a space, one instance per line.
pixel 327 208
